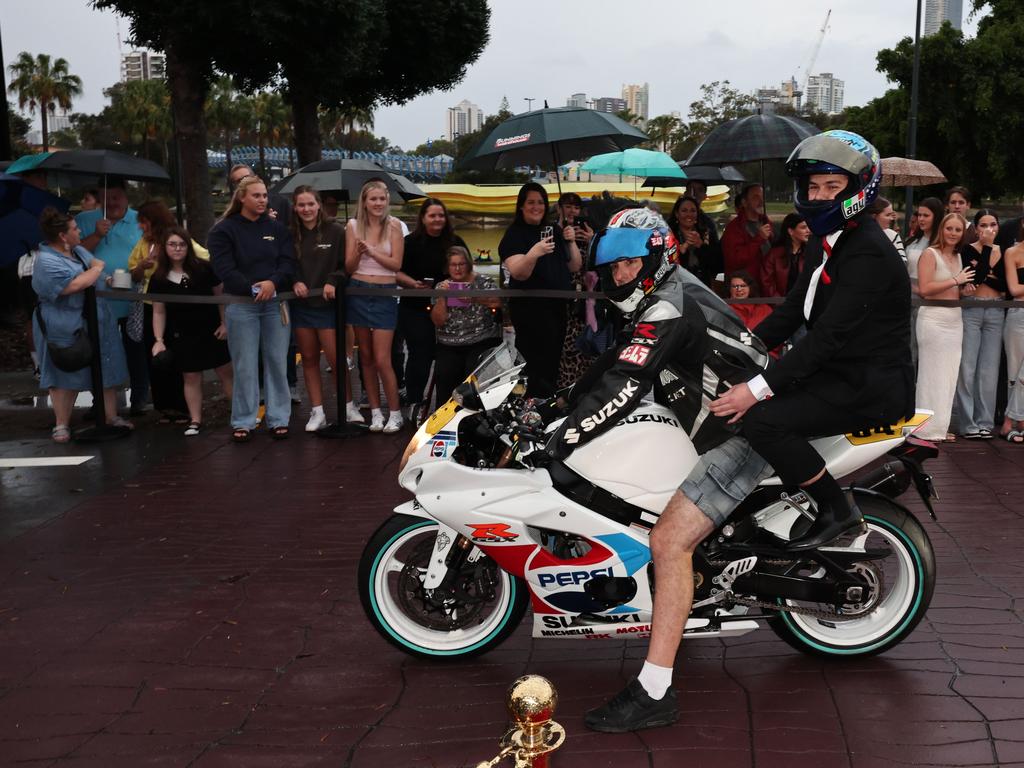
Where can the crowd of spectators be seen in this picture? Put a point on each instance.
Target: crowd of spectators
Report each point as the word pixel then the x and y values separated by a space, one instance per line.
pixel 265 245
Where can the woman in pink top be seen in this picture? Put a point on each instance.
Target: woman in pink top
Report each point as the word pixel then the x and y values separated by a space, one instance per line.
pixel 373 255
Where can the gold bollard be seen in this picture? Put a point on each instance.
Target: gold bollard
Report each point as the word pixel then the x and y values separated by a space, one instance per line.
pixel 531 702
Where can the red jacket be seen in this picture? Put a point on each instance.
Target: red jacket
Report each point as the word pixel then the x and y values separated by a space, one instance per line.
pixel 740 249
pixel 774 275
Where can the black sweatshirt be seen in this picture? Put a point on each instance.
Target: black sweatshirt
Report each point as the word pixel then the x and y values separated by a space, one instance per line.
pixel 245 252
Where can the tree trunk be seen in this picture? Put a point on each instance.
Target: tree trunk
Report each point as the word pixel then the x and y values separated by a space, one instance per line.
pixel 308 142
pixel 46 132
pixel 189 86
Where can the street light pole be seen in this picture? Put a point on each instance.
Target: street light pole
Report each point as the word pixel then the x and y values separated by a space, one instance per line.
pixel 912 118
pixel 529 103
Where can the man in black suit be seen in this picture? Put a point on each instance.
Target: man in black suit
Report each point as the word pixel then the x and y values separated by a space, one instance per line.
pixel 852 370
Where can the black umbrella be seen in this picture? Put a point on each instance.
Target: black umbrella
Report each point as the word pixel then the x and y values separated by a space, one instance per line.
pixel 755 137
pixel 345 178
pixel 545 136
pixel 708 174
pixel 102 162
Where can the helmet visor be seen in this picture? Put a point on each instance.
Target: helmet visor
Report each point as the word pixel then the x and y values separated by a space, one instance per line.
pixel 823 151
pixel 618 244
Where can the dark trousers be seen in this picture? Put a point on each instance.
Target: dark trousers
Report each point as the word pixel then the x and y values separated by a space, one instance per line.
pixel 540 333
pixel 779 428
pixel 166 382
pixel 417 328
pixel 453 364
pixel 137 357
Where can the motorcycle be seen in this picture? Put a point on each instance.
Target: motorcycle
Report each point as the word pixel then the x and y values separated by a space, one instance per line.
pixel 495 526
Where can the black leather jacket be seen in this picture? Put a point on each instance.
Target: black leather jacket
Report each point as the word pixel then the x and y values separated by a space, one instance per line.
pixel 682 341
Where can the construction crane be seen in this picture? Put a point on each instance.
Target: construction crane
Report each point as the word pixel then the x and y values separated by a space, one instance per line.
pixel 814 53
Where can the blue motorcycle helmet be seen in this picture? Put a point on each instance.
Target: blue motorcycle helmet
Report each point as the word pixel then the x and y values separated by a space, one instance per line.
pixel 634 233
pixel 834 152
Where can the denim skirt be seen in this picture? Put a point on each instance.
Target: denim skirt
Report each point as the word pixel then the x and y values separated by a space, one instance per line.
pixel 304 316
pixel 378 312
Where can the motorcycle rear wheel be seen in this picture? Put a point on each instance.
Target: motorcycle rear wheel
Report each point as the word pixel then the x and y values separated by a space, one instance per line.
pixel 390 588
pixel 907 586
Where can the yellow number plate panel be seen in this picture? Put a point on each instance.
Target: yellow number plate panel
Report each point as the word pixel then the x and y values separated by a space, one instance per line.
pixel 441 417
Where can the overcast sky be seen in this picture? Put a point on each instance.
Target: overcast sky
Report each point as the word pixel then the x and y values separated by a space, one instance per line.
pixel 549 50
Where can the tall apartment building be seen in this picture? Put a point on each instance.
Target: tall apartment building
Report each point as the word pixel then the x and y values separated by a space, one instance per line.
pixel 825 93
pixel 787 94
pixel 577 100
pixel 938 11
pixel 465 117
pixel 143 65
pixel 609 104
pixel 637 98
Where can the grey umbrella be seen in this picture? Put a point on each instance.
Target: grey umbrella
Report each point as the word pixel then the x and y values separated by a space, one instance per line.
pixel 346 178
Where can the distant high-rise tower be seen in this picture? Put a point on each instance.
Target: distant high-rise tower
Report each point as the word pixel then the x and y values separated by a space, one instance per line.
pixel 637 99
pixel 577 100
pixel 609 104
pixel 465 117
pixel 143 65
pixel 938 11
pixel 825 93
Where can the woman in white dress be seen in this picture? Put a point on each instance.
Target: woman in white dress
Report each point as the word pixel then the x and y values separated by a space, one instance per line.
pixel 940 329
pixel 923 231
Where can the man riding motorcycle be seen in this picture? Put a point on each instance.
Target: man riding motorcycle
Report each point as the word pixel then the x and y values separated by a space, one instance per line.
pixel 685 343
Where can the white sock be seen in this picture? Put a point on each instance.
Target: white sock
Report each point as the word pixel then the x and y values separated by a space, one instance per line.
pixel 318 410
pixel 376 413
pixel 655 680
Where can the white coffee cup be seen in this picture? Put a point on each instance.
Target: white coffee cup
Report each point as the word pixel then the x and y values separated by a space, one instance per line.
pixel 122 279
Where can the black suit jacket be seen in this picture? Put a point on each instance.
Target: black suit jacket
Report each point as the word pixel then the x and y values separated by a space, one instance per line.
pixel 856 354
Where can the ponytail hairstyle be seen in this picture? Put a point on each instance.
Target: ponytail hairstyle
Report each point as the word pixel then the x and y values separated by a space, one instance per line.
pixel 235 206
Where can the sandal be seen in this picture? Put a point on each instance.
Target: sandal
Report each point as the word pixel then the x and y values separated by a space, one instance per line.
pixel 193 429
pixel 240 435
pixel 279 433
pixel 1015 436
pixel 950 438
pixel 61 433
pixel 118 421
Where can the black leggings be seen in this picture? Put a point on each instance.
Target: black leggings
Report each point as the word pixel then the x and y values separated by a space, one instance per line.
pixel 540 333
pixel 453 364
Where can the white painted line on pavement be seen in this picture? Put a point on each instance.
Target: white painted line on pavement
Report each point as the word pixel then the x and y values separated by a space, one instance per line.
pixel 45 461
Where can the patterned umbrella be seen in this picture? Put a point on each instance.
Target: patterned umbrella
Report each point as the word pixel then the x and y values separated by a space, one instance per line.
pixel 755 137
pixel 904 172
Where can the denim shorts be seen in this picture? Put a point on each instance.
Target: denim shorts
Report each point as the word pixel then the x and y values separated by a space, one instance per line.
pixel 723 477
pixel 378 312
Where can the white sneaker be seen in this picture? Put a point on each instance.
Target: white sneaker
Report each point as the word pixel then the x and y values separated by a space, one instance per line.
pixel 394 422
pixel 377 422
pixel 352 414
pixel 317 420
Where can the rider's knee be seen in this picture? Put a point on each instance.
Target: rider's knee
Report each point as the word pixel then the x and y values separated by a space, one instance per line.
pixel 680 529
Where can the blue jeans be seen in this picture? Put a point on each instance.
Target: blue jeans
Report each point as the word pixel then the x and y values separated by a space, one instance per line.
pixel 979 368
pixel 252 329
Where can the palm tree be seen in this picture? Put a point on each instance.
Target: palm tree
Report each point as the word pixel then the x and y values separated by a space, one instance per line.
pixel 273 122
pixel 227 113
pixel 630 117
pixel 43 84
pixel 140 112
pixel 661 130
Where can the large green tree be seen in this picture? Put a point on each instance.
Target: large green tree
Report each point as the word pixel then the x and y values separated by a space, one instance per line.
pixel 971 101
pixel 718 102
pixel 140 116
pixel 43 83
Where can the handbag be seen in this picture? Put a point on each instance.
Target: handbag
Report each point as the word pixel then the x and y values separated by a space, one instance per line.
pixel 75 356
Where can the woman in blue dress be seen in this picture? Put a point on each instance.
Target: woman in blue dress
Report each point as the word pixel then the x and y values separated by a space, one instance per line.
pixel 63 270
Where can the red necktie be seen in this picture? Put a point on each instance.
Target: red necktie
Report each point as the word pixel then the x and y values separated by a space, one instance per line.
pixel 828 252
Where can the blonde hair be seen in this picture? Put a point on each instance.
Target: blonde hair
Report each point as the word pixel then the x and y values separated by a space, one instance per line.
pixel 235 206
pixel 362 215
pixel 937 237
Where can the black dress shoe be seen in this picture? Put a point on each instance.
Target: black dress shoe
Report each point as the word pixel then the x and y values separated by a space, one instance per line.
pixel 632 710
pixel 826 527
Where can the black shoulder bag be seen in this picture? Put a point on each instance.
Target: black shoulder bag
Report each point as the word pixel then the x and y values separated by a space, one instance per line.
pixel 77 355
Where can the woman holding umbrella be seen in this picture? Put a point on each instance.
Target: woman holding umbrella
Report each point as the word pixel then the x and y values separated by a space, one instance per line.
pixel 538 257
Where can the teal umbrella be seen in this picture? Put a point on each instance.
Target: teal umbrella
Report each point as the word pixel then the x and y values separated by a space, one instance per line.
pixel 635 162
pixel 27 162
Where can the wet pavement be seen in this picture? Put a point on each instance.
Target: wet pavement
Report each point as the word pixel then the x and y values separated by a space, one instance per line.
pixel 191 602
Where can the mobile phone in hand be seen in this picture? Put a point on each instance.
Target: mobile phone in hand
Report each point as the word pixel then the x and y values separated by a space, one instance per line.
pixel 458 301
pixel 547 232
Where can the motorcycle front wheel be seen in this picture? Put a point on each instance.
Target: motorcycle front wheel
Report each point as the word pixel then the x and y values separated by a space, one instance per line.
pixel 902 586
pixel 476 612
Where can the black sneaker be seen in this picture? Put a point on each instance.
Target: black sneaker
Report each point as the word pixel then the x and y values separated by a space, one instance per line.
pixel 633 710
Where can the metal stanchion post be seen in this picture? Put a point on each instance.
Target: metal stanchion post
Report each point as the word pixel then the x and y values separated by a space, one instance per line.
pixel 100 431
pixel 342 428
pixel 531 702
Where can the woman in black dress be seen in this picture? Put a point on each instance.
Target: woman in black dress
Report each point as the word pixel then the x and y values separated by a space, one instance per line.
pixel 189 337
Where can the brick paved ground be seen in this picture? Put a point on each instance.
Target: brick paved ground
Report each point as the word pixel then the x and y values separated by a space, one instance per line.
pixel 204 613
